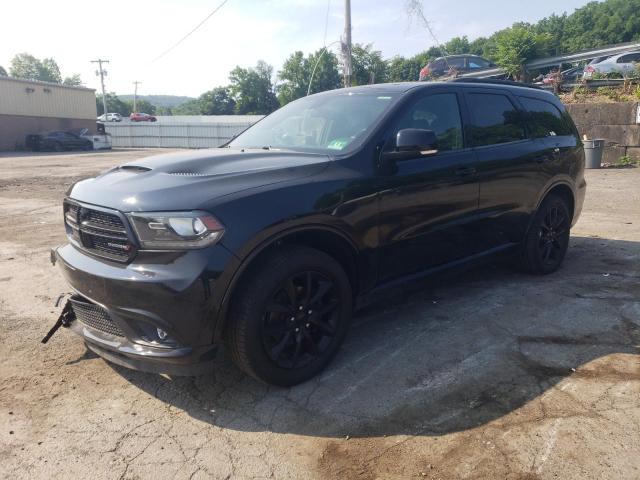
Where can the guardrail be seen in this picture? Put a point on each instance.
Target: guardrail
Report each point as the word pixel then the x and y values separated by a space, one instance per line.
pixel 560 59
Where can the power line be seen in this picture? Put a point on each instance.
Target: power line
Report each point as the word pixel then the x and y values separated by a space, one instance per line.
pixel 326 24
pixel 192 31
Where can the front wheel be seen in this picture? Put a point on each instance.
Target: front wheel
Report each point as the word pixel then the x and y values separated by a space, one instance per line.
pixel 547 240
pixel 289 316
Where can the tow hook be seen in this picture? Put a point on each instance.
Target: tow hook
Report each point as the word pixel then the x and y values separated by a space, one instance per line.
pixel 67 316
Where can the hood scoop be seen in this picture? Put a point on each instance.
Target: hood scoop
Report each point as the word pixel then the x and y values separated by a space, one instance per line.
pixel 134 168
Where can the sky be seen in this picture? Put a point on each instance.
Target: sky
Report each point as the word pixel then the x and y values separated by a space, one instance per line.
pixel 131 34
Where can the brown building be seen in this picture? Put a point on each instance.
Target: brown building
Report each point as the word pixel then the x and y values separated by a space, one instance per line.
pixel 31 107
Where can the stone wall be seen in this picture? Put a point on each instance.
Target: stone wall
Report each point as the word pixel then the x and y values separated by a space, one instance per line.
pixel 613 122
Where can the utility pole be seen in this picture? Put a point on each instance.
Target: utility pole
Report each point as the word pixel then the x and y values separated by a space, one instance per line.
pixel 346 45
pixel 102 74
pixel 135 96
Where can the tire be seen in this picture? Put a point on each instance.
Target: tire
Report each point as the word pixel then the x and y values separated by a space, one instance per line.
pixel 289 316
pixel 547 240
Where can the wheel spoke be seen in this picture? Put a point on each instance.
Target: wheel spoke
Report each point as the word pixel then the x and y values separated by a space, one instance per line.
pixel 327 329
pixel 296 353
pixel 327 308
pixel 276 329
pixel 313 347
pixel 280 308
pixel 323 289
pixel 290 288
pixel 276 351
pixel 308 283
pixel 546 252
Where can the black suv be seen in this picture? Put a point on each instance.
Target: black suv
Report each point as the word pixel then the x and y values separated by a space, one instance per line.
pixel 269 243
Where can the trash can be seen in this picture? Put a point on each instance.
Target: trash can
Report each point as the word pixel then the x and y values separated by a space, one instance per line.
pixel 593 150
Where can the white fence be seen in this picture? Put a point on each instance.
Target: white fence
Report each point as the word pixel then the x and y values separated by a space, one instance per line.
pixel 194 132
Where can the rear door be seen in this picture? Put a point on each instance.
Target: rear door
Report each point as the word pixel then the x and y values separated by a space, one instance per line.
pixel 509 166
pixel 428 203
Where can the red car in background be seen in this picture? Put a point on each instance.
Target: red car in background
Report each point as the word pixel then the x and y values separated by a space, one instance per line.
pixel 142 117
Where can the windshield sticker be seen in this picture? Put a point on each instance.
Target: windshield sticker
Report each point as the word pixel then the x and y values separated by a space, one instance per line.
pixel 338 143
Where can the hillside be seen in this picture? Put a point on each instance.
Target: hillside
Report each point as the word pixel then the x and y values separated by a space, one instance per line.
pixel 168 101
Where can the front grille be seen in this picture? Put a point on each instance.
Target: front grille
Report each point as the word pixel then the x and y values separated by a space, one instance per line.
pixel 94 316
pixel 98 232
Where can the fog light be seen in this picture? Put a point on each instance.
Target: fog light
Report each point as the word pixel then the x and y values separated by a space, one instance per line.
pixel 161 334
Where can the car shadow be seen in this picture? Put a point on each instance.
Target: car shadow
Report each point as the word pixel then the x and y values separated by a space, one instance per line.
pixel 433 358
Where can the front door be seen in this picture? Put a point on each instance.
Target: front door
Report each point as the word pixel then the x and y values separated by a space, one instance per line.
pixel 427 203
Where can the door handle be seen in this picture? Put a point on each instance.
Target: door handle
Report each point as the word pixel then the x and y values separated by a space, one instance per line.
pixel 465 171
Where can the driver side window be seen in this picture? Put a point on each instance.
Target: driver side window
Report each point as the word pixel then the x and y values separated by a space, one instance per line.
pixel 441 114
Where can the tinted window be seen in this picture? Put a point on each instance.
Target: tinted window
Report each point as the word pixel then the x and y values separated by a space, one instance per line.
pixel 478 63
pixel 632 57
pixel 544 119
pixel 496 120
pixel 456 63
pixel 439 113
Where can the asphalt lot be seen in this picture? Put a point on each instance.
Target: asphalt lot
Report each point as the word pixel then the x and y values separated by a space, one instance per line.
pixel 492 374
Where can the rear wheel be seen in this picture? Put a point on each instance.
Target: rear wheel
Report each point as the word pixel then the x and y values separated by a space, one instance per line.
pixel 546 243
pixel 289 316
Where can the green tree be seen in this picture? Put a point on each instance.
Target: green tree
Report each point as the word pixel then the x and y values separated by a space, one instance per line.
pixel 517 45
pixel 73 81
pixel 368 65
pixel 400 69
pixel 252 89
pixel 457 45
pixel 142 106
pixel 218 101
pixel 114 105
pixel 28 67
pixel 297 71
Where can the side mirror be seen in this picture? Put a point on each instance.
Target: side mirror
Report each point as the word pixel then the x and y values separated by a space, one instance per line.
pixel 412 143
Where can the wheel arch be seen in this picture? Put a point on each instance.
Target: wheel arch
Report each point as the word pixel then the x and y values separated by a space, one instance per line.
pixel 326 239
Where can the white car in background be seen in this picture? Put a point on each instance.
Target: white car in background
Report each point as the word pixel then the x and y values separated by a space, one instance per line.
pixel 110 117
pixel 624 64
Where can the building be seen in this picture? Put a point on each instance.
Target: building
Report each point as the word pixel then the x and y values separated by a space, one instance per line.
pixel 31 107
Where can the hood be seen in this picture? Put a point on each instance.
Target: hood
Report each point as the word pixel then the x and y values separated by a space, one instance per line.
pixel 191 180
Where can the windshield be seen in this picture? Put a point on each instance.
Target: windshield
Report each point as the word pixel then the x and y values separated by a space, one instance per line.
pixel 321 123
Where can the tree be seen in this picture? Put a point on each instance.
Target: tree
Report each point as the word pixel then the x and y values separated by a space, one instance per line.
pixel 28 67
pixel 114 105
pixel 73 81
pixel 517 45
pixel 457 45
pixel 297 72
pixel 218 101
pixel 3 72
pixel 252 89
pixel 367 65
pixel 400 69
pixel 142 105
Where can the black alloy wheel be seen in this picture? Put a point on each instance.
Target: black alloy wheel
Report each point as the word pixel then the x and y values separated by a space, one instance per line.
pixel 547 240
pixel 288 315
pixel 301 320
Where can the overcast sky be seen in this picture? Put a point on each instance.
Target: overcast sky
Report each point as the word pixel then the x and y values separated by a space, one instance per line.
pixel 131 33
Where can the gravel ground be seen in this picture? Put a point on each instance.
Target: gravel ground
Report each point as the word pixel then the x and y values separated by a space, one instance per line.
pixel 492 374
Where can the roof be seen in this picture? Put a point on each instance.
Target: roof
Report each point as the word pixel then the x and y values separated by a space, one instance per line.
pixel 402 87
pixel 46 84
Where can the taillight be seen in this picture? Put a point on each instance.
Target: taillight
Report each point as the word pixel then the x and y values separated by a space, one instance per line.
pixel 424 72
pixel 590 69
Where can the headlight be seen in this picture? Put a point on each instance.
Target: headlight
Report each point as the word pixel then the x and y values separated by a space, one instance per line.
pixel 176 230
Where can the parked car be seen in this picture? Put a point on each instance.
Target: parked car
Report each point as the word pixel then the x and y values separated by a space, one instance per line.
pixel 458 63
pixel 110 117
pixel 142 117
pixel 57 141
pixel 623 64
pixel 99 141
pixel 570 75
pixel 268 243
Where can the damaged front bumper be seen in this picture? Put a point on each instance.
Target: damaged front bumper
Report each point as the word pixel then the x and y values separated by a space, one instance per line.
pixel 150 317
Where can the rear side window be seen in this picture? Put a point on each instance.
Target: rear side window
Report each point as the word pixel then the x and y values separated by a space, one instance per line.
pixel 439 113
pixel 632 57
pixel 544 119
pixel 478 63
pixel 496 120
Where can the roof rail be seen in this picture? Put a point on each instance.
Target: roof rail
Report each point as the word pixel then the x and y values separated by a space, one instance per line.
pixel 494 82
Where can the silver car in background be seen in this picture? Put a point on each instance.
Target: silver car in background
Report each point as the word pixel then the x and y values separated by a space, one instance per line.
pixel 623 63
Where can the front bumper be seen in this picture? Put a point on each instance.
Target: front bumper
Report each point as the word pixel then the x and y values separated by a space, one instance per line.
pixel 173 292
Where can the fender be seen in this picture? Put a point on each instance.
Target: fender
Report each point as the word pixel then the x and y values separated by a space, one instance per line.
pixel 253 252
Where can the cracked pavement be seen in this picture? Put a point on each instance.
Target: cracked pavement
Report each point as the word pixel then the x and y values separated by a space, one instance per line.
pixel 488 374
